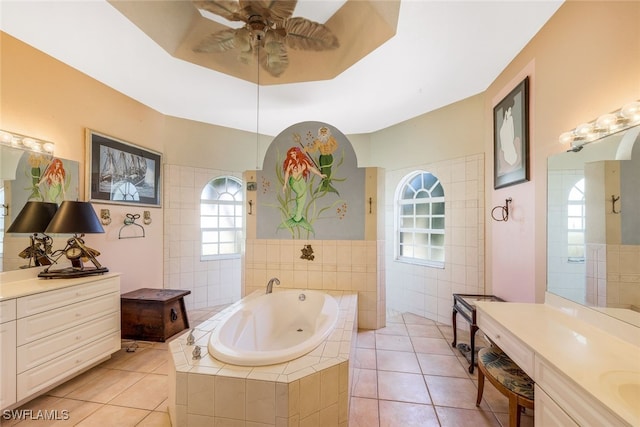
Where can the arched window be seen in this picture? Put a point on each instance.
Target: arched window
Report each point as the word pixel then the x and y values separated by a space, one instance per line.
pixel 420 225
pixel 576 223
pixel 221 218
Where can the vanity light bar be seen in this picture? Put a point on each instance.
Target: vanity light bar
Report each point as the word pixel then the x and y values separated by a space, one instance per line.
pixel 23 142
pixel 606 124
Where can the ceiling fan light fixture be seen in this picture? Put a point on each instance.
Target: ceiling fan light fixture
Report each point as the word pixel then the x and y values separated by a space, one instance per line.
pixel 258 27
pixel 269 28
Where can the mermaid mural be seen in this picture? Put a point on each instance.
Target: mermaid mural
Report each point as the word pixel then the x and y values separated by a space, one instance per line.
pixel 296 168
pixel 311 187
pixel 51 185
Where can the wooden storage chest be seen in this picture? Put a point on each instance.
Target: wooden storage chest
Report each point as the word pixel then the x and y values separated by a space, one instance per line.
pixel 153 314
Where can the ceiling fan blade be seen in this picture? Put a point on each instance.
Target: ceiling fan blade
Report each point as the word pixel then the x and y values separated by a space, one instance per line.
pixel 221 41
pixel 275 10
pixel 274 62
pixel 228 9
pixel 308 35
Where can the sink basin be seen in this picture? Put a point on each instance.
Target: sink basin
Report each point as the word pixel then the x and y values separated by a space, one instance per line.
pixel 625 386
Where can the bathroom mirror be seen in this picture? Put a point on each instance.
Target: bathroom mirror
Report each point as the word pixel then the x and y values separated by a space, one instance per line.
pixel 593 225
pixel 27 175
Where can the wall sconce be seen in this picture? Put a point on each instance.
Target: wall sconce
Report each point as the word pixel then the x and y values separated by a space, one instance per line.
pixel 605 125
pixel 23 142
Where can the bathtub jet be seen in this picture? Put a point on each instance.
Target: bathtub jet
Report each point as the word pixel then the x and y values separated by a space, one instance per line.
pixel 274 328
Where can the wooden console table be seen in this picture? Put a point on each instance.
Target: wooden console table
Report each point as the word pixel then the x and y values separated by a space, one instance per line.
pixel 465 305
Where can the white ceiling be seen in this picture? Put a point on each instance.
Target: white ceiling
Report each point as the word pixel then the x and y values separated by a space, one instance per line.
pixel 444 51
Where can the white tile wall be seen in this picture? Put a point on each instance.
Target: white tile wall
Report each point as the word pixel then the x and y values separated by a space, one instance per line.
pixel 427 291
pixel 367 267
pixel 210 282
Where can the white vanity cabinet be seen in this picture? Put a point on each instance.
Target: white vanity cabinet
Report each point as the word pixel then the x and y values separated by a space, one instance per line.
pixel 577 367
pixel 548 412
pixel 59 329
pixel 7 353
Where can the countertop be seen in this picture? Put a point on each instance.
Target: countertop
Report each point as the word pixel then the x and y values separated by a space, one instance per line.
pixel 583 352
pixel 25 283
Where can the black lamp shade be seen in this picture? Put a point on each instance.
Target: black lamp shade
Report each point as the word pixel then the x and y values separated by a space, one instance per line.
pixel 75 218
pixel 33 218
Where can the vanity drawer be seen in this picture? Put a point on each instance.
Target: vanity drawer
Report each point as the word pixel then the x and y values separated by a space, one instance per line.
pixel 62 367
pixel 34 304
pixel 548 413
pixel 50 322
pixel 7 310
pixel 35 353
pixel 518 351
pixel 576 402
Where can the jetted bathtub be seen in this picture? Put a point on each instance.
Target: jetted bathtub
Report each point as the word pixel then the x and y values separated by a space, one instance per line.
pixel 274 328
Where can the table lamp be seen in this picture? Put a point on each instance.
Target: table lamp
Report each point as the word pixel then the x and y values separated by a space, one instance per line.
pixel 76 218
pixel 34 218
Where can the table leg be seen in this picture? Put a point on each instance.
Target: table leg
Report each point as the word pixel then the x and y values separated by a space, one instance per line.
pixel 455 330
pixel 473 331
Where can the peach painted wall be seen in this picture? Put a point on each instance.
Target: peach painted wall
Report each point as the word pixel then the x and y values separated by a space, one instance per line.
pixel 584 62
pixel 44 98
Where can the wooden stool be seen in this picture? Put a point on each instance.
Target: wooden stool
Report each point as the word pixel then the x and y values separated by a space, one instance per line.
pixel 508 378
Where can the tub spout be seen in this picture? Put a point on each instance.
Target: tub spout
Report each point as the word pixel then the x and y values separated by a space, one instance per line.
pixel 270 284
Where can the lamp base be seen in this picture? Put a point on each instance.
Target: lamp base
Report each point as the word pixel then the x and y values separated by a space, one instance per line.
pixel 70 273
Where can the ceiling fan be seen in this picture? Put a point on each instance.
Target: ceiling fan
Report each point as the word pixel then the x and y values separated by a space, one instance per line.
pixel 268 31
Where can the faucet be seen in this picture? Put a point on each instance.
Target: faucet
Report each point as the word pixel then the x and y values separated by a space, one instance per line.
pixel 270 284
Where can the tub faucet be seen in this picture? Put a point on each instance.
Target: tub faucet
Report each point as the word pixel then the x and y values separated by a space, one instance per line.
pixel 270 284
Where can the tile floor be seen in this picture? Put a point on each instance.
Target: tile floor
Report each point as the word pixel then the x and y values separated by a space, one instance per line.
pixel 406 374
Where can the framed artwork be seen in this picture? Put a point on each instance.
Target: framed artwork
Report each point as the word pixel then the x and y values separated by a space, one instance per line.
pixel 121 172
pixel 511 137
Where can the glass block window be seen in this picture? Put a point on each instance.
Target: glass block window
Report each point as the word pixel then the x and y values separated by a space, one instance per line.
pixel 221 212
pixel 576 223
pixel 420 220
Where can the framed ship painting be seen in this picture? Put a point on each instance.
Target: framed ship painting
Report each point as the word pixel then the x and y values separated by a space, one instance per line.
pixel 120 172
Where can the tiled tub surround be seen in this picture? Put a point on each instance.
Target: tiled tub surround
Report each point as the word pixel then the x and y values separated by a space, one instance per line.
pixel 338 265
pixel 311 389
